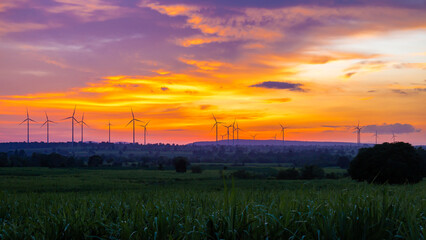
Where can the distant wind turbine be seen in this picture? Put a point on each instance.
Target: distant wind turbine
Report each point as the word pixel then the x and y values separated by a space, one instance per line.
pixel 227 131
pixel 233 131
pixel 238 132
pixel 82 122
pixel 47 126
pixel 134 120
pixel 109 131
pixel 282 130
pixel 73 119
pixel 275 137
pixel 144 132
pixel 393 137
pixel 254 136
pixel 216 125
pixel 358 133
pixel 223 136
pixel 376 135
pixel 28 120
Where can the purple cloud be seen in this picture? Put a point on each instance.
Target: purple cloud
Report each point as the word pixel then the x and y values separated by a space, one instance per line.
pixel 390 128
pixel 281 85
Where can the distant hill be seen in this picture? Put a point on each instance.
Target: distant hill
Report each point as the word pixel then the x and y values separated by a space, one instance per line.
pixel 247 142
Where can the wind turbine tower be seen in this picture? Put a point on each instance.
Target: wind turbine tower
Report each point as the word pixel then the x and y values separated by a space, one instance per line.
pixel 376 135
pixel 134 120
pixel 282 130
pixel 216 125
pixel 73 119
pixel 254 136
pixel 358 133
pixel 82 127
pixel 28 120
pixel 227 131
pixel 47 126
pixel 109 131
pixel 144 132
pixel 238 132
pixel 393 137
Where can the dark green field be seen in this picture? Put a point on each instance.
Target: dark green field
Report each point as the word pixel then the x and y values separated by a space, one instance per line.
pixel 46 203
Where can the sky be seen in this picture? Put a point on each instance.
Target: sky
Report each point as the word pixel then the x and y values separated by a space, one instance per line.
pixel 317 67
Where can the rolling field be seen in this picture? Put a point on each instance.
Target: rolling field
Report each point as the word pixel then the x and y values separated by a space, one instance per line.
pixel 46 203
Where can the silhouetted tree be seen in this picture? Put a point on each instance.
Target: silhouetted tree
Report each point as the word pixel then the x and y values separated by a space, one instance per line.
pixel 311 172
pixel 394 163
pixel 4 160
pixel 180 164
pixel 289 174
pixel 95 161
pixel 422 154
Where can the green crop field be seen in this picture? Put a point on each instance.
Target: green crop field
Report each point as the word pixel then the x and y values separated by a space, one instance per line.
pixel 41 203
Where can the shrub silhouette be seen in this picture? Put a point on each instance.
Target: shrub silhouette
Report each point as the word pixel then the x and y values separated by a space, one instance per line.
pixel 288 174
pixel 180 164
pixel 394 163
pixel 311 172
pixel 95 161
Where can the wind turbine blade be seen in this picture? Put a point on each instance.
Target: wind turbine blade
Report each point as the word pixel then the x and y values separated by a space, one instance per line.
pixel 214 117
pixel 137 120
pixel 133 115
pixel 129 122
pixel 147 122
pixel 66 118
pixel 23 121
pixel 73 113
pixel 44 124
pixel 214 125
pixel 27 114
pixel 85 124
pixel 46 115
pixel 31 120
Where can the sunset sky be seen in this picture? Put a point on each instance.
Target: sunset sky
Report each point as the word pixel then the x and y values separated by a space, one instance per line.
pixel 316 66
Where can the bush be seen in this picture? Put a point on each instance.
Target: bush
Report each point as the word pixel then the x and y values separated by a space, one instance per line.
pixel 332 175
pixel 289 174
pixel 394 163
pixel 196 169
pixel 95 161
pixel 311 172
pixel 180 164
pixel 243 174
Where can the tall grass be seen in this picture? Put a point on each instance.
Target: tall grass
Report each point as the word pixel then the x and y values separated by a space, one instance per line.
pixel 237 211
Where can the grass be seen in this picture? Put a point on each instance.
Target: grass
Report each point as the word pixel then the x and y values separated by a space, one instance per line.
pixel 144 204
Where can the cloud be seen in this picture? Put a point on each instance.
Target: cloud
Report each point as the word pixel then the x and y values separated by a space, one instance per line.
pixel 297 87
pixel 164 88
pixel 279 100
pixel 410 65
pixel 420 89
pixel 349 74
pixel 399 91
pixel 390 128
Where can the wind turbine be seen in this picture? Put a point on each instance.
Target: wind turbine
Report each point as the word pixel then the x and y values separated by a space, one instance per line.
pixel 47 126
pixel 215 125
pixel 358 133
pixel 223 136
pixel 254 136
pixel 238 132
pixel 73 119
pixel 134 120
pixel 82 126
pixel 144 132
pixel 28 120
pixel 227 131
pixel 275 137
pixel 282 130
pixel 393 137
pixel 109 131
pixel 233 131
pixel 376 135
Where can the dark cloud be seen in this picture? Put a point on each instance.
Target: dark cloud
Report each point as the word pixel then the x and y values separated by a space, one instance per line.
pixel 205 107
pixel 390 128
pixel 164 88
pixel 399 91
pixel 281 85
pixel 372 91
pixel 420 89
